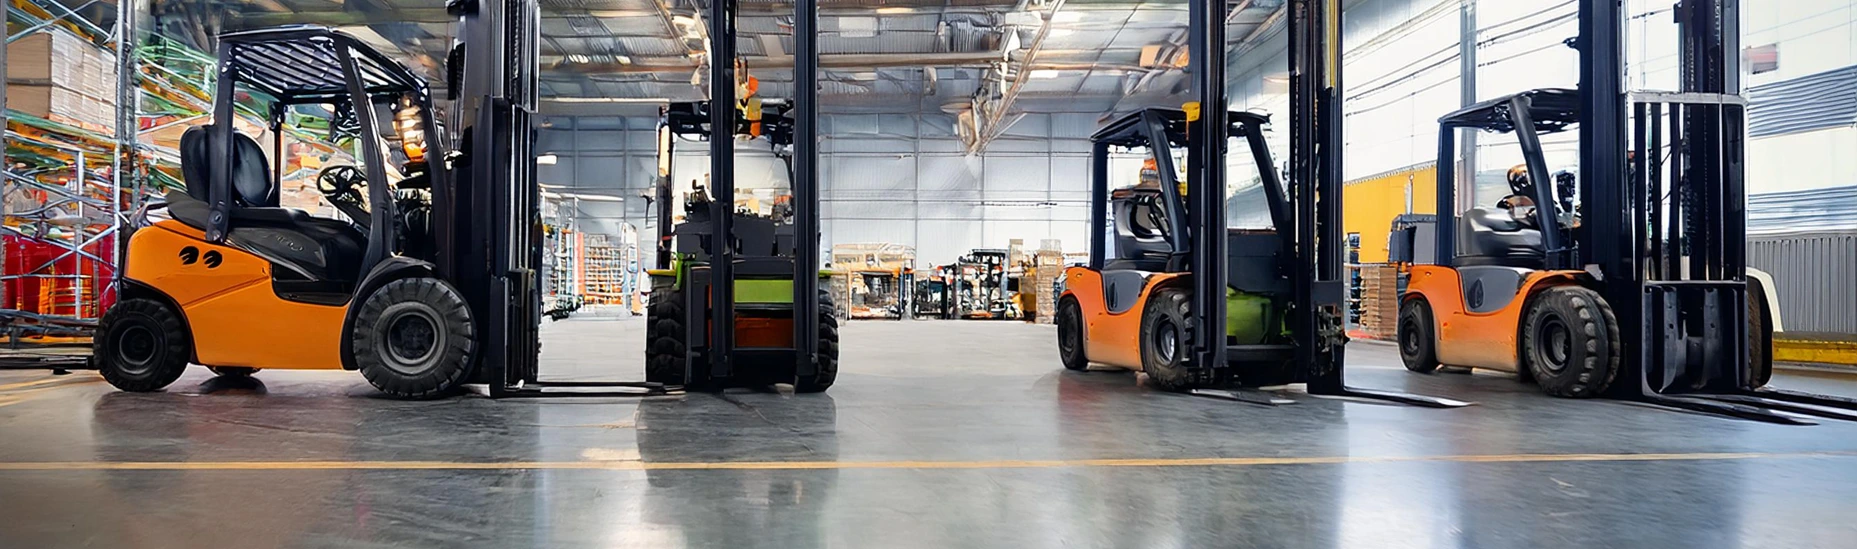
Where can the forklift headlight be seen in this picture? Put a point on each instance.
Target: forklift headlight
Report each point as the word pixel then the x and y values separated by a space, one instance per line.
pixel 412 136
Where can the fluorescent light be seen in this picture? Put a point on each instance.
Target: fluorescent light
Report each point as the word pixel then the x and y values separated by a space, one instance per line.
pixel 1068 16
pixel 895 10
pixel 547 159
pixel 1045 73
pixel 579 58
pixel 593 197
pixel 1054 33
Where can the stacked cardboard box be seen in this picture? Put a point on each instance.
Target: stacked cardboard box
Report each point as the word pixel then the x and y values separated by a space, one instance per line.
pixel 1380 300
pixel 1047 266
pixel 56 75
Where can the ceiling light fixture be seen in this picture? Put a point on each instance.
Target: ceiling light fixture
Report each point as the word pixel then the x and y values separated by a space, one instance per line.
pixel 895 10
pixel 1045 73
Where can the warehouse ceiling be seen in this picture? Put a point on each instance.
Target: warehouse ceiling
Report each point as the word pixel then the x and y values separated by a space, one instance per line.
pixel 988 58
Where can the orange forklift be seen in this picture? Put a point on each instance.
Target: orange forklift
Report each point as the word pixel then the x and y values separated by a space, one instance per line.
pixel 1201 308
pixel 1629 280
pixel 427 281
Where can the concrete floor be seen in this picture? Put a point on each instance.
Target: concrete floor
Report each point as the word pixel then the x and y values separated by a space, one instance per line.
pixel 939 434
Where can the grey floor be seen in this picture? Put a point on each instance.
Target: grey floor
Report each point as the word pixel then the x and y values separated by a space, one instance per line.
pixel 940 434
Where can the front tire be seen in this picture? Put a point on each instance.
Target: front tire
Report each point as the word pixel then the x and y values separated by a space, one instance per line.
pixel 1070 321
pixel 828 350
pixel 141 345
pixel 414 338
pixel 1167 346
pixel 1570 342
pixel 665 348
pixel 1760 338
pixel 1415 335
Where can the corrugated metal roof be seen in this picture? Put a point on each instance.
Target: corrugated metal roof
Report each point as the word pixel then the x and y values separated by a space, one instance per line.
pixel 1808 210
pixel 1816 101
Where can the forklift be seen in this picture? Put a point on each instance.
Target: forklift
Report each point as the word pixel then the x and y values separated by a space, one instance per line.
pixel 1200 307
pixel 1630 279
pixel 428 284
pixel 982 285
pixel 933 297
pixel 736 296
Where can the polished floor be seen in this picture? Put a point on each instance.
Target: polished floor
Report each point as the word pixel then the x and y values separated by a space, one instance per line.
pixel 940 434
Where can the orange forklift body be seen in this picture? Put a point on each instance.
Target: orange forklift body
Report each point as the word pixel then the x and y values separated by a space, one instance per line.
pixel 1479 340
pixel 225 296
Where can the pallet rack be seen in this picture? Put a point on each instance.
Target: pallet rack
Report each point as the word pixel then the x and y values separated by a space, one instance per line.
pixel 64 192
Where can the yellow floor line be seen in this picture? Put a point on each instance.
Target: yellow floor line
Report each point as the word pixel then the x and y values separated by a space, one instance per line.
pixel 786 465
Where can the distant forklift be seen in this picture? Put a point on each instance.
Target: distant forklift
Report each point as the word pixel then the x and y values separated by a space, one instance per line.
pixel 736 298
pixel 429 284
pixel 934 295
pixel 983 281
pixel 1198 306
pixel 1629 280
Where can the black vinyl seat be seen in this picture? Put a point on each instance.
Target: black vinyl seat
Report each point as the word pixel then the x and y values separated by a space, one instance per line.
pixel 320 249
pixel 1141 233
pixel 1492 237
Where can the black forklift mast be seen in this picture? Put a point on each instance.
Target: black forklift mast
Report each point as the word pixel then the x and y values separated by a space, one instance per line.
pixel 490 222
pixel 1206 208
pixel 1672 261
pixel 1309 218
pixel 490 225
pixel 804 183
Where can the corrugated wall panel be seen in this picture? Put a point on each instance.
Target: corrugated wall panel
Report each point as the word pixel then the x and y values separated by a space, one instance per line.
pixel 1803 210
pixel 1816 101
pixel 1816 275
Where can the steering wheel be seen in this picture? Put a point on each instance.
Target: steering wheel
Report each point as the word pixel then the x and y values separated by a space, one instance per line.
pixel 340 180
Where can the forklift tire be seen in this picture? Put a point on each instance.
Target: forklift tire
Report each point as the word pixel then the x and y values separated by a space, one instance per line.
pixel 828 350
pixel 414 338
pixel 1070 321
pixel 1167 355
pixel 1570 342
pixel 232 371
pixel 1415 335
pixel 1760 337
pixel 141 345
pixel 665 347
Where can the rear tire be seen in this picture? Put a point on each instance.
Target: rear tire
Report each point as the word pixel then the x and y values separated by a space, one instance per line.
pixel 414 338
pixel 665 347
pixel 828 350
pixel 232 371
pixel 1070 321
pixel 1416 337
pixel 141 345
pixel 1570 342
pixel 1167 347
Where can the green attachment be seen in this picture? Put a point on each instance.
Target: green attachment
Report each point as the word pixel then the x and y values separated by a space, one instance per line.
pixel 764 291
pixel 1251 319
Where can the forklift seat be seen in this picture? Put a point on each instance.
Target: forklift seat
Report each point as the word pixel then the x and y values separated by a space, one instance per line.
pixel 1491 237
pixel 324 249
pixel 1141 233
